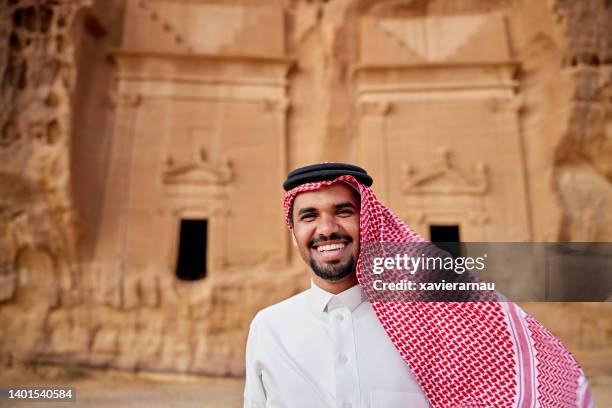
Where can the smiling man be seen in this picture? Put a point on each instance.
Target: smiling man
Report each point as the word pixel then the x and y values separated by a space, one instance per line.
pixel 325 347
pixel 330 347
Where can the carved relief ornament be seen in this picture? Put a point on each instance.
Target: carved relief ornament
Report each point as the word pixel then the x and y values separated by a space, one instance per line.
pixel 376 108
pixel 199 172
pixel 443 178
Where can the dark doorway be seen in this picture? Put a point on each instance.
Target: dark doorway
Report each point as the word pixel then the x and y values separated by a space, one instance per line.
pixel 191 263
pixel 446 237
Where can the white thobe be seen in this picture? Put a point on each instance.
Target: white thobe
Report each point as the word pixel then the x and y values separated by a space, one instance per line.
pixel 319 350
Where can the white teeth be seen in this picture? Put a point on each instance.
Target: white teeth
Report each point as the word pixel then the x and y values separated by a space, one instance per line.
pixel 330 247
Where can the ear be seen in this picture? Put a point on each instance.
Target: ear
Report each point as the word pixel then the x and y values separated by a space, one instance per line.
pixel 293 239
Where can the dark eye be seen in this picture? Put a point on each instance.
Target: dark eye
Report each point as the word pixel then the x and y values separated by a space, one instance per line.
pixel 307 217
pixel 345 212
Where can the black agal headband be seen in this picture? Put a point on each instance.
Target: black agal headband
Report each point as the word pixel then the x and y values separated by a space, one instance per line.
pixel 325 171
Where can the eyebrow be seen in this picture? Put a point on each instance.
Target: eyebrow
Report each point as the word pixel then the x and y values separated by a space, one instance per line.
pixel 339 206
pixel 305 210
pixel 347 204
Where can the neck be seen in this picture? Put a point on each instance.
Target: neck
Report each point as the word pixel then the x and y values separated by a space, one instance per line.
pixel 338 286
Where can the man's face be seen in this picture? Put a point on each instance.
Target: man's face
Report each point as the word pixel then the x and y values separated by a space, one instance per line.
pixel 326 229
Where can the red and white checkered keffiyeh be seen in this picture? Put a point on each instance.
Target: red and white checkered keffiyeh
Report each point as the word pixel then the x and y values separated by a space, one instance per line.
pixel 472 354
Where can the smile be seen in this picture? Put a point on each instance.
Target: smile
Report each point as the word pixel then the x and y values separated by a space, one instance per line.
pixel 331 251
pixel 330 247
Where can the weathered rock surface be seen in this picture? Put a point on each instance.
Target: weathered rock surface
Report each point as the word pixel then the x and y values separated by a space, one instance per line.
pixel 121 119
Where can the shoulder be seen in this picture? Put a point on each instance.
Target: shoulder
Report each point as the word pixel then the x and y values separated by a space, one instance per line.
pixel 290 308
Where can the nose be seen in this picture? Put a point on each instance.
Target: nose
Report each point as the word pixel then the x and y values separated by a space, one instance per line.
pixel 327 225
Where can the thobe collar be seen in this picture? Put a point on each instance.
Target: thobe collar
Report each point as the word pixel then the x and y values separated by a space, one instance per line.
pixel 322 301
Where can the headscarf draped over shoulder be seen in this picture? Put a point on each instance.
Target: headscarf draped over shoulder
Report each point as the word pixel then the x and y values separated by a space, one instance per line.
pixel 463 354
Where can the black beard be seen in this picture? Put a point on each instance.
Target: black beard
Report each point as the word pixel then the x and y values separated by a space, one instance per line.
pixel 334 273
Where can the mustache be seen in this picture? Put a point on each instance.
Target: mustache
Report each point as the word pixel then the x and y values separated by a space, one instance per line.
pixel 332 237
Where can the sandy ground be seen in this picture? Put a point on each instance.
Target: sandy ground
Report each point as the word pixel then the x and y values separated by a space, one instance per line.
pixel 102 389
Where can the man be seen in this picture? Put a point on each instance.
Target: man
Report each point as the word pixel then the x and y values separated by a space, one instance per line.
pixel 330 347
